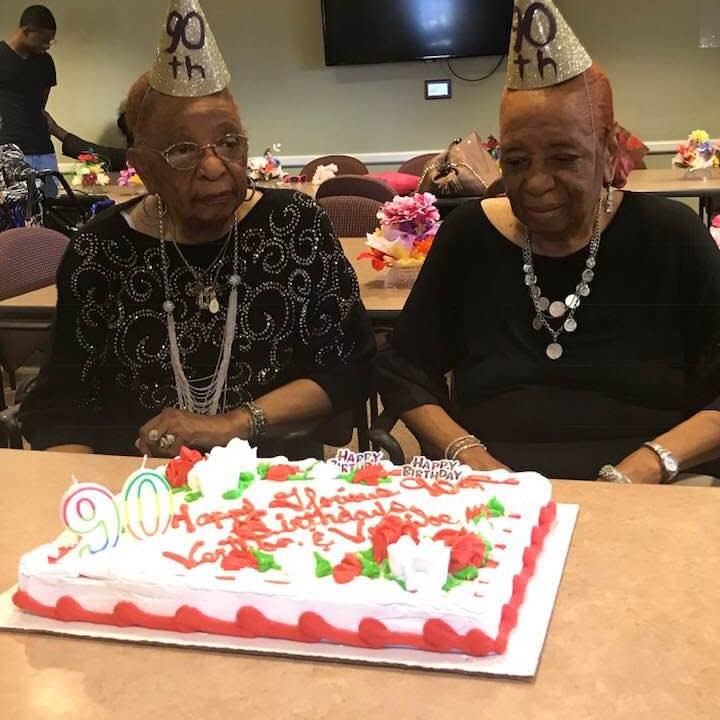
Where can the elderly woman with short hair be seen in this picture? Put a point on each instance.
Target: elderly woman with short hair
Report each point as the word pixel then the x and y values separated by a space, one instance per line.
pixel 581 323
pixel 207 309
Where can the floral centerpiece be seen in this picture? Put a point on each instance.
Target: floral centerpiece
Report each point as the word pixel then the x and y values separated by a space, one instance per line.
pixel 492 146
pixel 408 225
pixel 699 154
pixel 267 167
pixel 715 229
pixel 89 171
pixel 129 177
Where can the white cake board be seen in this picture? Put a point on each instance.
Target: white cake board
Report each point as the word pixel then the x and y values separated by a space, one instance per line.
pixel 520 659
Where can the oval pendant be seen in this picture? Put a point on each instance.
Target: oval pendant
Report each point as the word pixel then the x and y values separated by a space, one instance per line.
pixel 543 304
pixel 554 351
pixel 537 323
pixel 572 301
pixel 557 309
pixel 570 325
pixel 214 306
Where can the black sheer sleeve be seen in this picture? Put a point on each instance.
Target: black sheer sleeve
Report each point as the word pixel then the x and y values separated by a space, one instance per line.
pixel 699 266
pixel 62 406
pixel 426 343
pixel 335 328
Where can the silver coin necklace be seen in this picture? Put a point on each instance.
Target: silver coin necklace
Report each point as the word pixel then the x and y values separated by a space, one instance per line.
pixel 546 310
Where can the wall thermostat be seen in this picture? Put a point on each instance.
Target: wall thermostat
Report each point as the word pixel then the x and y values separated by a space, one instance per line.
pixel 438 89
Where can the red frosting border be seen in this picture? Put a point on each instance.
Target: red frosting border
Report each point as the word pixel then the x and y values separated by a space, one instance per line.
pixel 437 635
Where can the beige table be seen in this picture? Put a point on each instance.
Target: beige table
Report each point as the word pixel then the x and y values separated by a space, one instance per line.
pixel 382 303
pixel 635 634
pixel 672 182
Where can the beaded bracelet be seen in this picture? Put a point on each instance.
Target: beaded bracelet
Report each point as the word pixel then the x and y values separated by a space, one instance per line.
pixel 258 421
pixel 460 445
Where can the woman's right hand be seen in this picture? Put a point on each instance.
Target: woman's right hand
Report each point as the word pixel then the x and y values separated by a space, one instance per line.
pixel 479 459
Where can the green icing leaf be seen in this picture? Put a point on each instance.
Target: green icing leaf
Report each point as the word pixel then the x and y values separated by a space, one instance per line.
pixel 323 568
pixel 193 496
pixel 181 489
pixel 388 574
pixel 348 477
pixel 451 583
pixel 368 555
pixel 265 561
pixel 233 494
pixel 488 548
pixel 468 573
pixel 369 567
pixel 496 507
pixel 298 477
pixel 384 481
pixel 262 470
pixel 245 479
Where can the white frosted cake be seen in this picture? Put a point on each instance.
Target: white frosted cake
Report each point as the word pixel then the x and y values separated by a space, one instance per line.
pixel 431 555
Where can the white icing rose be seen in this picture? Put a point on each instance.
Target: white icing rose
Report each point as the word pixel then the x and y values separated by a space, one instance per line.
pixel 423 566
pixel 220 471
pixel 297 560
pixel 324 471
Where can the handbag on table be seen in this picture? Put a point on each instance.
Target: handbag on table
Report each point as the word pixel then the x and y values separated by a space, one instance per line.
pixel 465 169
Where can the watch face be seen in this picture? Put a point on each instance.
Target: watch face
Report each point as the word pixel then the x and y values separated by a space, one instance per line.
pixel 671 464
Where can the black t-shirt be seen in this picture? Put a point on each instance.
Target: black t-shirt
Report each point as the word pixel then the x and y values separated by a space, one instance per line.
pixel 645 355
pixel 23 82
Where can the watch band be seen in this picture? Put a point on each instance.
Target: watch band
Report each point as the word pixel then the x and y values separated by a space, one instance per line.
pixel 669 462
pixel 609 473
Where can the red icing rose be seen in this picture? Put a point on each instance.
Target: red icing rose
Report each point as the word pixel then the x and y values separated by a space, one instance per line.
pixel 370 474
pixel 177 470
pixel 389 531
pixel 348 569
pixel 466 548
pixel 239 559
pixel 278 473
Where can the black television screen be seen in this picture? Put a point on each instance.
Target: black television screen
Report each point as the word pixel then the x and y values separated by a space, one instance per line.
pixel 375 31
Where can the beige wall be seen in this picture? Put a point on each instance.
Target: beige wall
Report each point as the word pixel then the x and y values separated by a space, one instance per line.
pixel 664 85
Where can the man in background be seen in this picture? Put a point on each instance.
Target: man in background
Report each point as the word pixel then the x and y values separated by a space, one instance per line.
pixel 27 73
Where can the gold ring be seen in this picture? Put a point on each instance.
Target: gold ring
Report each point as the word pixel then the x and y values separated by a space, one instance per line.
pixel 166 441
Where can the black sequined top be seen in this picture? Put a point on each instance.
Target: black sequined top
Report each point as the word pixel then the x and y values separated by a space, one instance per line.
pixel 109 371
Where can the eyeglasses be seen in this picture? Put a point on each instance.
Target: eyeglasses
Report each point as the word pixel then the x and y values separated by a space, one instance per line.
pixel 188 155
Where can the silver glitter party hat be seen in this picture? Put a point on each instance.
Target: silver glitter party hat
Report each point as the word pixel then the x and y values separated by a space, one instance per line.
pixel 544 51
pixel 188 62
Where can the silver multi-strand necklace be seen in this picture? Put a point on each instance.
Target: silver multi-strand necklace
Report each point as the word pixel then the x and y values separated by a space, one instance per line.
pixel 201 396
pixel 545 310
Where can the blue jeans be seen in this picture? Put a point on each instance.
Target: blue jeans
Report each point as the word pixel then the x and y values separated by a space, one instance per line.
pixel 45 162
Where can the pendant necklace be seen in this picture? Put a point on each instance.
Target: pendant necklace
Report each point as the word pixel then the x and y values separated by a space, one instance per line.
pixel 546 310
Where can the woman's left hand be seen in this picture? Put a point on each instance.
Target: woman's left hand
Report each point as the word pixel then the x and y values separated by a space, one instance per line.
pixel 642 467
pixel 165 434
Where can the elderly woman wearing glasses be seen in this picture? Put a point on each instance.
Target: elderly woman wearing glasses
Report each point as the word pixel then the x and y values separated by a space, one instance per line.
pixel 204 311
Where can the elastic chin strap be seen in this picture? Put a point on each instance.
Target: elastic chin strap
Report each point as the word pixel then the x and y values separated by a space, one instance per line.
pixel 138 122
pixel 592 120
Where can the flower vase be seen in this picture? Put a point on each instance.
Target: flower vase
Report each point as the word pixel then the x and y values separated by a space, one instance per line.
pixel 704 174
pixel 402 276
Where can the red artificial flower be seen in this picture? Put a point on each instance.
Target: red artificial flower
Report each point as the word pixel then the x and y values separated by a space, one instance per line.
pixel 87 157
pixel 348 569
pixel 89 179
pixel 465 549
pixel 177 470
pixel 278 473
pixel 379 260
pixel 389 531
pixel 369 475
pixel 239 559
